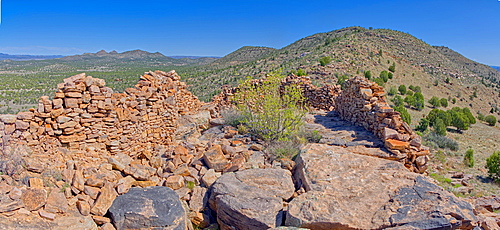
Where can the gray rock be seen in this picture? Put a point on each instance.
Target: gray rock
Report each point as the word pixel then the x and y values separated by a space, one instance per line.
pixel 251 199
pixel 351 191
pixel 148 208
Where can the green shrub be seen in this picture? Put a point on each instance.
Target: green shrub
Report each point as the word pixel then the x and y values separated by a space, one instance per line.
pixel 434 101
pixel 325 60
pixel 379 81
pixel 410 100
pixel 491 120
pixel 392 68
pixel 493 165
pixel 443 102
pixel 440 156
pixel 440 127
pixel 441 141
pixel 285 148
pixel 312 136
pixel 480 116
pixel 402 89
pixel 398 101
pixel 392 91
pixel 368 75
pixel 419 101
pixel 301 72
pixel 384 75
pixel 404 114
pixel 271 112
pixel 423 125
pixel 469 158
pixel 232 117
pixel 341 80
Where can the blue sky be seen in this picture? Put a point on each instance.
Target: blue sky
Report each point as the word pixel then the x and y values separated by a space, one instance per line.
pixel 216 28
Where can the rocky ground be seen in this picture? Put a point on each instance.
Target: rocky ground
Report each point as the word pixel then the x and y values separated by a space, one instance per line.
pixel 208 175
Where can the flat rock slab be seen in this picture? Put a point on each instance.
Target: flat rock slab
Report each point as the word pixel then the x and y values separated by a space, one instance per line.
pixel 72 220
pixel 148 208
pixel 335 131
pixel 251 199
pixel 351 191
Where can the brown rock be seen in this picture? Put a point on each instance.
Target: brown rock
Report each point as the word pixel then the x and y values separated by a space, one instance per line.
pixel 72 138
pixel 94 181
pixel 8 118
pixel 396 144
pixel 83 207
pixel 15 193
pixel 73 94
pixel 71 102
pixel 489 223
pixel 181 150
pixel 56 202
pixel 108 226
pixel 25 115
pixel 93 192
pixel 10 206
pixel 22 125
pixel 78 180
pixel 175 182
pixel 36 183
pixel 199 199
pixel 100 220
pixel 251 199
pixel 143 184
pixel 215 159
pixel 46 215
pixel 209 178
pixel 199 219
pixel 33 198
pixel 124 184
pixel 105 200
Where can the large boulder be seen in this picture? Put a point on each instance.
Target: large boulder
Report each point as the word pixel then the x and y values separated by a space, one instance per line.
pixel 148 208
pixel 351 191
pixel 251 199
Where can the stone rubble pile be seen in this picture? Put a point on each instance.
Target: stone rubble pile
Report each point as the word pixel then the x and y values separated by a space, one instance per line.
pixel 363 103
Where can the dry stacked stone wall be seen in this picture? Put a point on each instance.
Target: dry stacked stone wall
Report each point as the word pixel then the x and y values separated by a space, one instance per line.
pixel 85 115
pixel 316 97
pixel 363 103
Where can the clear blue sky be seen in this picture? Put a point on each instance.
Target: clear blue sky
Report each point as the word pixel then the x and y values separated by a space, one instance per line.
pixel 216 28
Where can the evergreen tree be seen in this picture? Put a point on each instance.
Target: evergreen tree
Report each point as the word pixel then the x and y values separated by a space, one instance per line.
pixel 440 127
pixel 402 89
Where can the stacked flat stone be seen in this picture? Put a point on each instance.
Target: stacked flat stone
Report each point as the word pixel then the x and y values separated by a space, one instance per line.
pixel 363 102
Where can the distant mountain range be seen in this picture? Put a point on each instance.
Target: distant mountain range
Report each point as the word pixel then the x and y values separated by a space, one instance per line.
pixel 27 57
pixel 496 67
pixel 128 54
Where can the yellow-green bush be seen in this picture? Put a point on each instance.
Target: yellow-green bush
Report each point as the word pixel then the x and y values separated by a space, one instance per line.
pixel 271 111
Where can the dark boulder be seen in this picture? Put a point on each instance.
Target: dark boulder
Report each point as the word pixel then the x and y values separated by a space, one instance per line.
pixel 148 208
